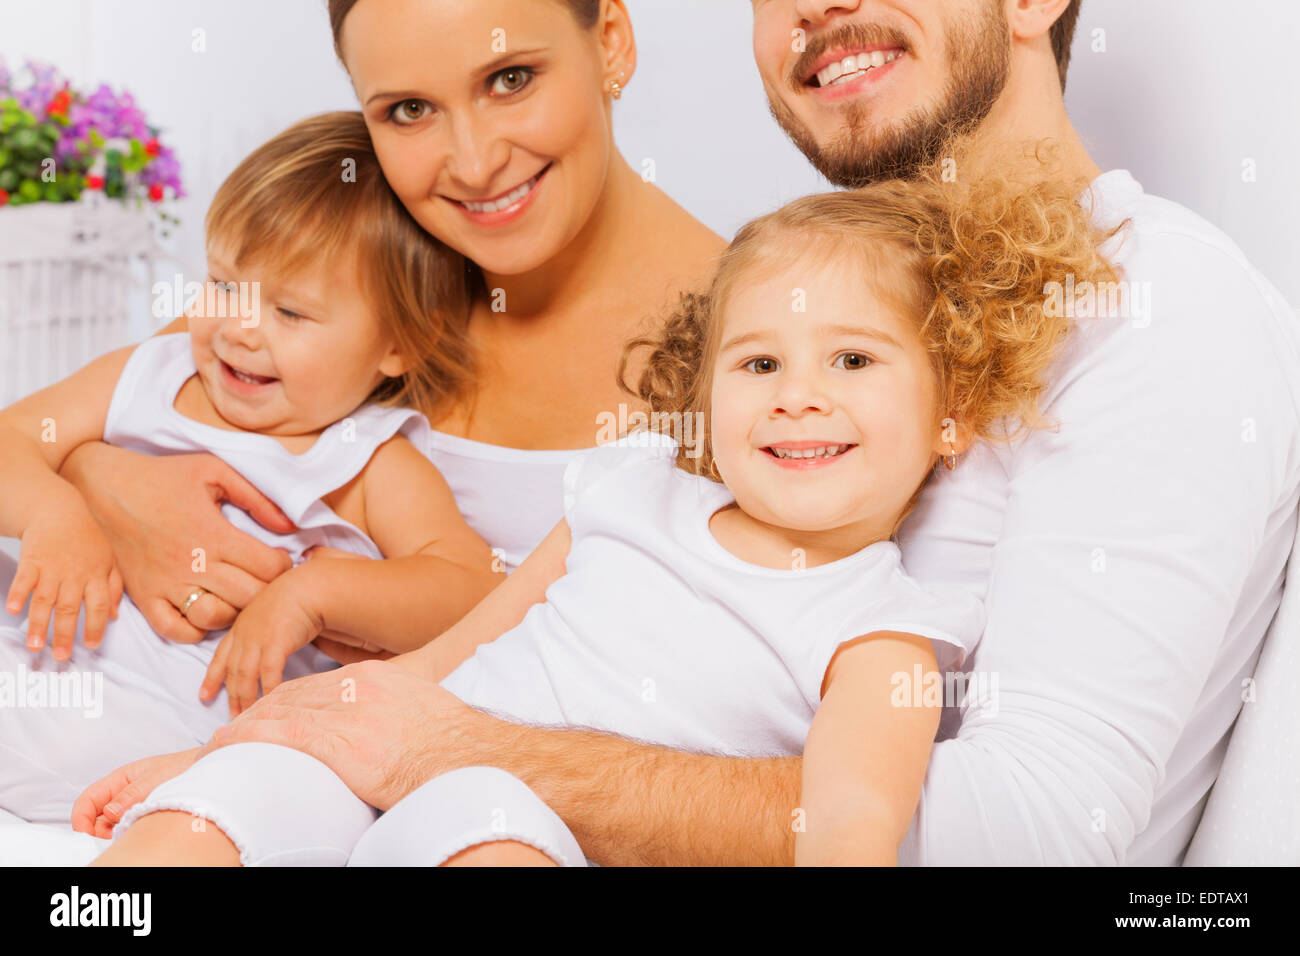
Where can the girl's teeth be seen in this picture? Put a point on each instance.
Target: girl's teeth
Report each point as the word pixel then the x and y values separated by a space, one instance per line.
pixel 505 202
pixel 851 67
pixel 825 451
pixel 250 379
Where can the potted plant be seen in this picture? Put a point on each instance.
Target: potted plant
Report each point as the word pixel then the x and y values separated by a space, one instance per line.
pixel 83 182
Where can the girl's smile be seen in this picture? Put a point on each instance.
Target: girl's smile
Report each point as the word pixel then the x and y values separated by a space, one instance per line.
pixel 807 455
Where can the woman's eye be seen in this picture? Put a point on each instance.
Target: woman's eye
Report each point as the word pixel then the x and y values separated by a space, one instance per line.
pixel 852 361
pixel 512 80
pixel 407 112
pixel 763 365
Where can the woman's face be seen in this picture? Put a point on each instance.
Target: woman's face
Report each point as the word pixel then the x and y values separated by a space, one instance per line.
pixel 489 118
pixel 824 415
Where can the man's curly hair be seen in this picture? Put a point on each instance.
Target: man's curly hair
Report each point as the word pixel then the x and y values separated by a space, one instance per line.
pixel 970 262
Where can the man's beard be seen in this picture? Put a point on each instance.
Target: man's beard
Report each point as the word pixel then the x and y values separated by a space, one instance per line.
pixel 979 62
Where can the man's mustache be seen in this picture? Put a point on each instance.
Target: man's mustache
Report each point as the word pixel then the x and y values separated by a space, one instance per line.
pixel 850 36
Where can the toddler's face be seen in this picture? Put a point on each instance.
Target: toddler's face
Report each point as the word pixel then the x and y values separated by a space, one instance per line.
pixel 286 355
pixel 823 419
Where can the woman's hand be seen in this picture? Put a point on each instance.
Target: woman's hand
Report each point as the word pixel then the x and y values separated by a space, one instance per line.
pixel 101 805
pixel 65 562
pixel 383 730
pixel 156 511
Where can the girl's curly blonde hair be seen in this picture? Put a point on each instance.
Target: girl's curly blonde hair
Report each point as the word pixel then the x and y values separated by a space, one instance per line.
pixel 971 262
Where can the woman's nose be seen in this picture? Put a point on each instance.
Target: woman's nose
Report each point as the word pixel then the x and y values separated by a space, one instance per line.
pixel 477 154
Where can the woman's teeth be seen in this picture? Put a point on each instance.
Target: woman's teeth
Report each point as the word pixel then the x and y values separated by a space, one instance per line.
pixel 824 451
pixel 851 67
pixel 506 201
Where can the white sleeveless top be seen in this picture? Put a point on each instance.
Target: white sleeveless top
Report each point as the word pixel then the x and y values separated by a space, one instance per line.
pixel 142 417
pixel 658 632
pixel 512 497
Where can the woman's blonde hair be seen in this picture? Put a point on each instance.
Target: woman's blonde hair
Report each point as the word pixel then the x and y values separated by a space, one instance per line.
pixel 316 193
pixel 970 262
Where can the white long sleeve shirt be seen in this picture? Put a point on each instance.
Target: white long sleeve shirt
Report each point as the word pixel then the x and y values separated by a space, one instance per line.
pixel 1130 561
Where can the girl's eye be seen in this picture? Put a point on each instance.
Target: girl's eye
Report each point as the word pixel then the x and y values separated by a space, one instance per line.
pixel 222 286
pixel 763 365
pixel 852 361
pixel 512 80
pixel 407 112
pixel 290 316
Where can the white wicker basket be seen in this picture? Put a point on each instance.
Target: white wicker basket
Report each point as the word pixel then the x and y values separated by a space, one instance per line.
pixel 66 271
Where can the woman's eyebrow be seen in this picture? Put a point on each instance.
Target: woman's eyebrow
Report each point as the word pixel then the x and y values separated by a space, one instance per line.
pixel 488 67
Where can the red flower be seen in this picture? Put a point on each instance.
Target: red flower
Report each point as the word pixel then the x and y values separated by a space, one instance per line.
pixel 4 197
pixel 59 105
pixel 152 147
pixel 94 182
pixel 156 192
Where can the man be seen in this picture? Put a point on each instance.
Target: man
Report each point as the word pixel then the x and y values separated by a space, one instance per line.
pixel 1131 561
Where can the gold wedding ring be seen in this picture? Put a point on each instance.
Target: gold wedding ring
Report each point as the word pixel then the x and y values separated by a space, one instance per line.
pixel 193 596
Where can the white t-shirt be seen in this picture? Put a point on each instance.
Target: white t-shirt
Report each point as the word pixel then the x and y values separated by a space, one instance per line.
pixel 1130 562
pixel 657 632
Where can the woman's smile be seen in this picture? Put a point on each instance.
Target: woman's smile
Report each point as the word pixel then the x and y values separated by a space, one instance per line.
pixel 506 208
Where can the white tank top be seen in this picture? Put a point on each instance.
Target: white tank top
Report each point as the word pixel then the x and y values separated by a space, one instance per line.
pixel 512 497
pixel 659 633
pixel 142 417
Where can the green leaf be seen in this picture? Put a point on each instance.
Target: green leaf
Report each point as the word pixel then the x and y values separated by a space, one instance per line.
pixel 30 190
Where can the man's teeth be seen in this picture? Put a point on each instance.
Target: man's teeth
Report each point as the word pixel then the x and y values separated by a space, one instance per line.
pixel 851 67
pixel 824 451
pixel 506 201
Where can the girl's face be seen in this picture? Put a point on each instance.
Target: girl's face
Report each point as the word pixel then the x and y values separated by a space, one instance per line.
pixel 823 418
pixel 489 119
pixel 286 355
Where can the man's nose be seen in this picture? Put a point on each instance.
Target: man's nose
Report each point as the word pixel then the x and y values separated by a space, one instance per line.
pixel 819 11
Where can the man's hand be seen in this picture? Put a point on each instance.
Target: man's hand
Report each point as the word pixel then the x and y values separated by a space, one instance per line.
pixel 65 562
pixel 101 805
pixel 156 511
pixel 383 730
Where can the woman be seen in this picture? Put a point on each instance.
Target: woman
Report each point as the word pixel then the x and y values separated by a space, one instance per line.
pixel 516 104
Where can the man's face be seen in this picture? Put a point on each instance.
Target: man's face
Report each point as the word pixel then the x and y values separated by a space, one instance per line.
pixel 869 89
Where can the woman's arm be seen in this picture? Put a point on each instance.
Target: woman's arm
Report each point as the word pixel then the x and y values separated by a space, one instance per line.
pixel 865 756
pixel 156 511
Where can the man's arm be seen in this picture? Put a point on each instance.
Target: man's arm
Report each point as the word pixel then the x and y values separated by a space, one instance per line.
pixel 633 804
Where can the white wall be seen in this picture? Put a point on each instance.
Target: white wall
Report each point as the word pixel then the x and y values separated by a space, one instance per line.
pixel 1184 92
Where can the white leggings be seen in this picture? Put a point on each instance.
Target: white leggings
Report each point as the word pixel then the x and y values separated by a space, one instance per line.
pixel 281 807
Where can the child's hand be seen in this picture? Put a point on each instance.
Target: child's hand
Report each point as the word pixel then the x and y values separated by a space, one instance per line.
pixel 66 561
pixel 279 621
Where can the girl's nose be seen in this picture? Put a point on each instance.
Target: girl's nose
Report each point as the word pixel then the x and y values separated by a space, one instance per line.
pixel 799 394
